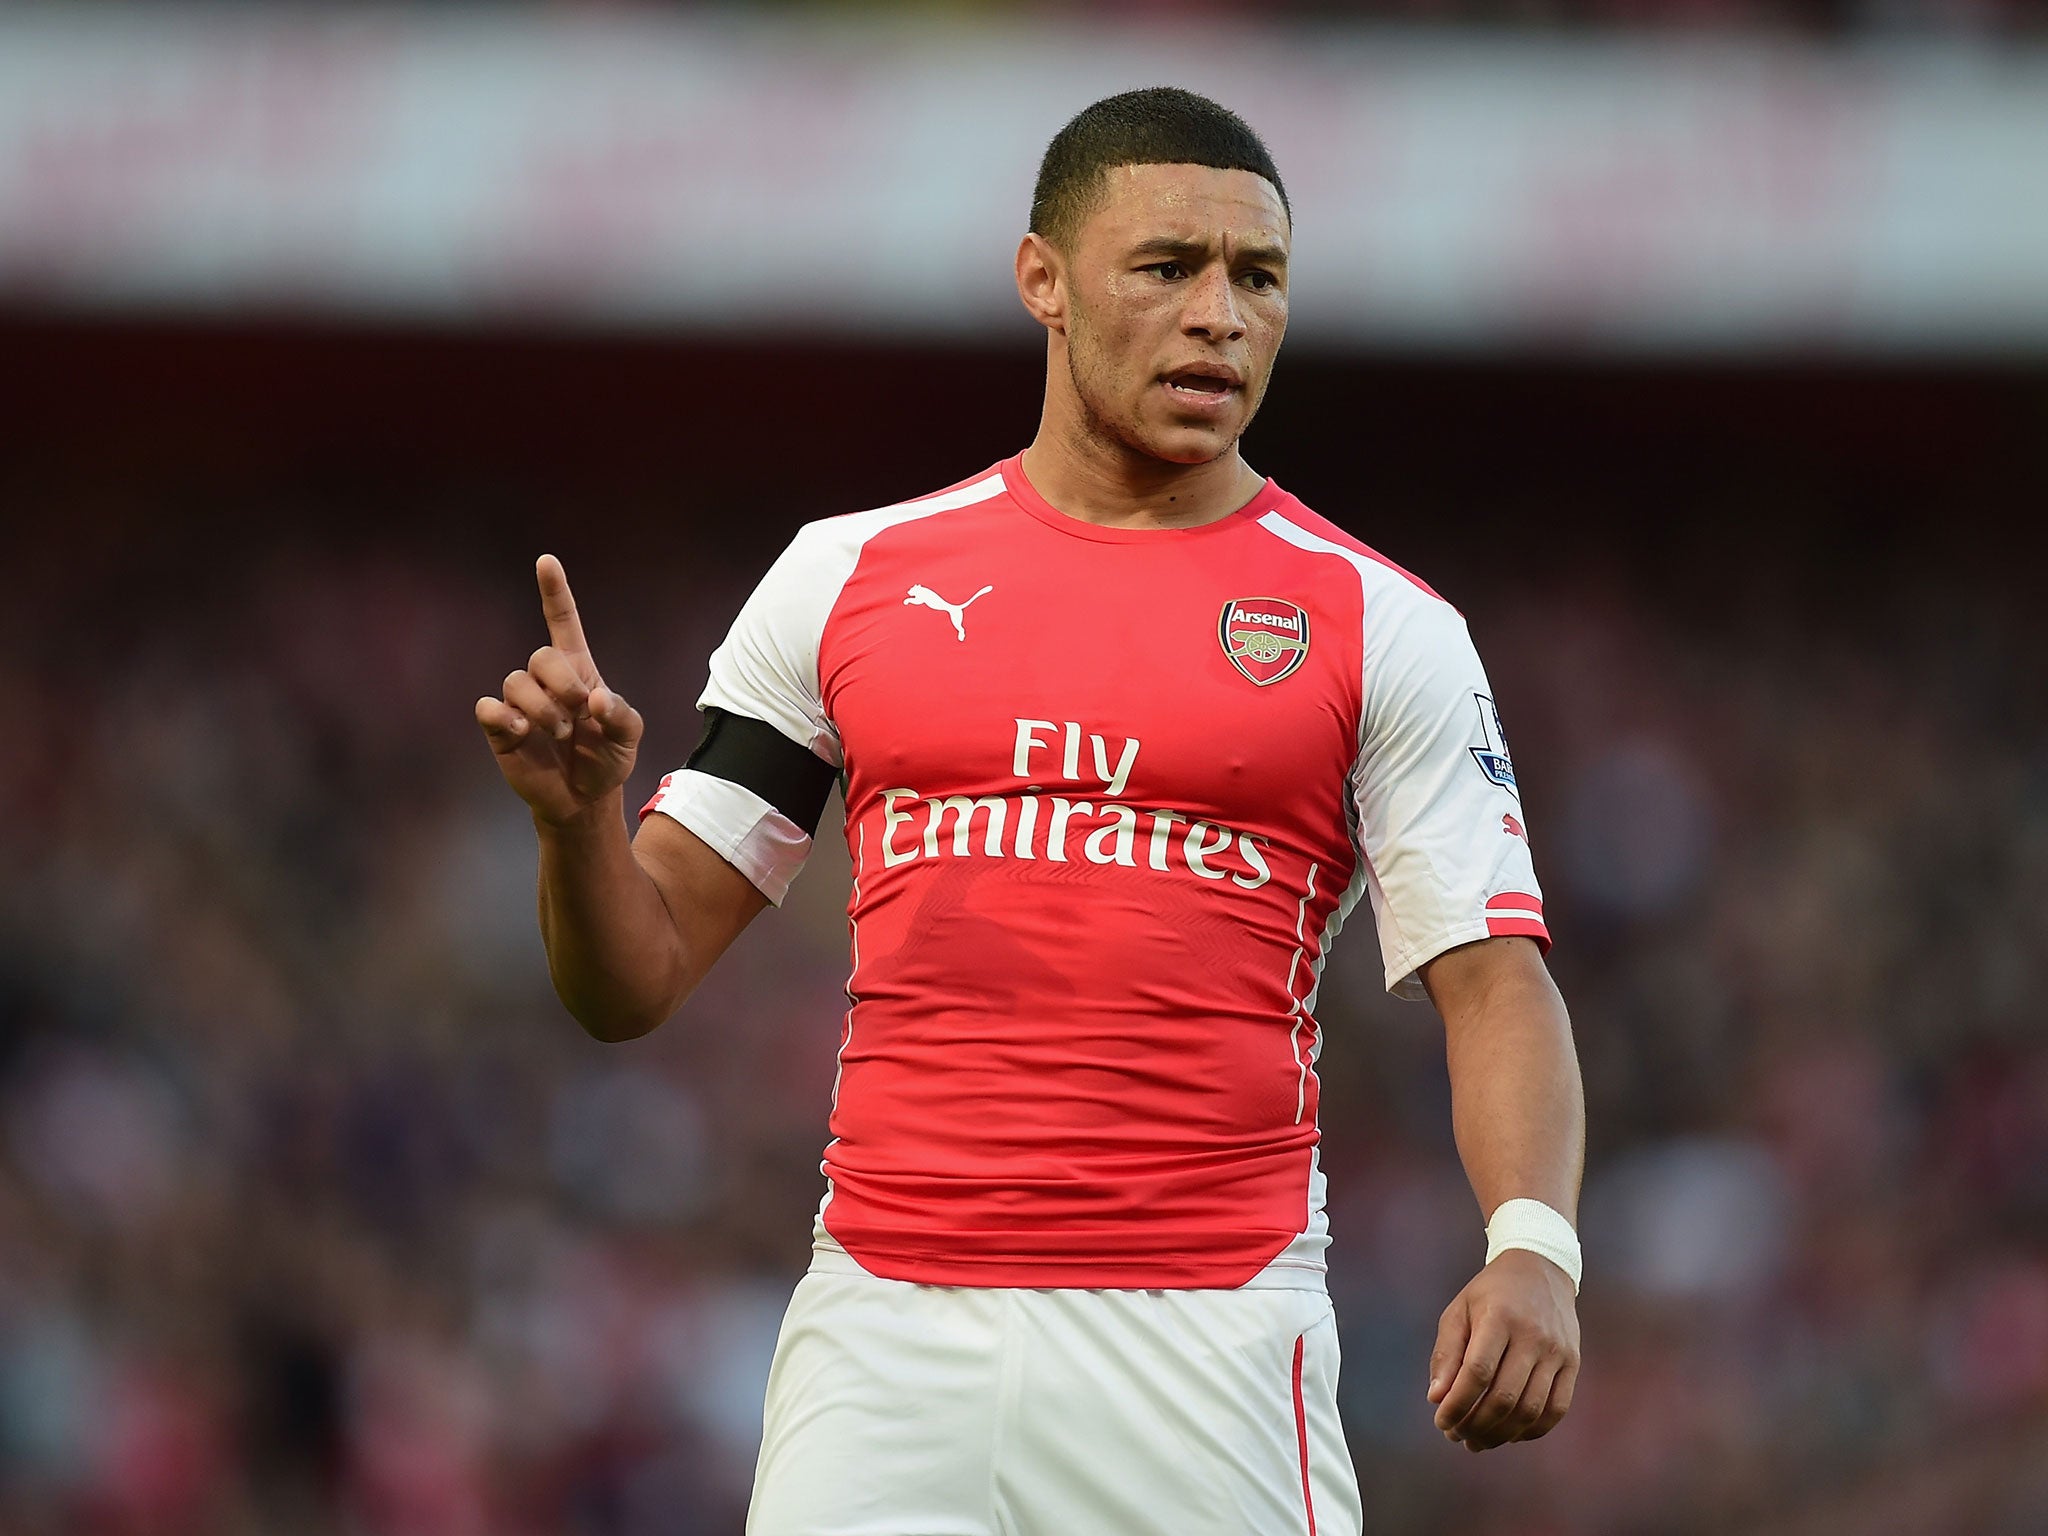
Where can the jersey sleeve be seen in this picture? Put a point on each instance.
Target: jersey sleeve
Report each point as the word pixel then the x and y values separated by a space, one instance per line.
pixel 734 791
pixel 1439 813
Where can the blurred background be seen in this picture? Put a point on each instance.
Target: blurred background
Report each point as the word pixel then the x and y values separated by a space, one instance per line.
pixel 1697 349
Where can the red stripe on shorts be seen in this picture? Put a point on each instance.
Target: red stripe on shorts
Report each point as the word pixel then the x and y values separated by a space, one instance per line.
pixel 1308 1501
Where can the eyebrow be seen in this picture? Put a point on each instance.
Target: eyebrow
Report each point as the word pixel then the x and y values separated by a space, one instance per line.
pixel 1187 250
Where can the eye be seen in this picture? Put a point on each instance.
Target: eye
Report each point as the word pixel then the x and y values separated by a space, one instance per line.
pixel 1261 281
pixel 1169 270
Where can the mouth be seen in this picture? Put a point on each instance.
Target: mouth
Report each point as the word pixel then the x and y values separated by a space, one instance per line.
pixel 1203 384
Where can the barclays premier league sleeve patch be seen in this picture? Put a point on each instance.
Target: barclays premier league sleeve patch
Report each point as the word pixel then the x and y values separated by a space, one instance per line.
pixel 1492 758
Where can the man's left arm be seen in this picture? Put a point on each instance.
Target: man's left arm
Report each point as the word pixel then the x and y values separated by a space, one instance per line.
pixel 1507 1348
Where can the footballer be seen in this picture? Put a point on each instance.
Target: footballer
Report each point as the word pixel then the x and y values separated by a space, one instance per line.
pixel 1125 734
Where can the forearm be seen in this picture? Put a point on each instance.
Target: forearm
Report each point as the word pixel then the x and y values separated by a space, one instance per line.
pixel 613 950
pixel 1507 1352
pixel 1517 1105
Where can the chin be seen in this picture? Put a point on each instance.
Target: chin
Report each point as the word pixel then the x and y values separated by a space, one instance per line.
pixel 1187 444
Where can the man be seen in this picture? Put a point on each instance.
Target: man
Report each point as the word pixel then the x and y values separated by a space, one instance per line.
pixel 1124 731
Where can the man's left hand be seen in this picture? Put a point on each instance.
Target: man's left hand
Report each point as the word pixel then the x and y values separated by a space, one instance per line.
pixel 1507 1353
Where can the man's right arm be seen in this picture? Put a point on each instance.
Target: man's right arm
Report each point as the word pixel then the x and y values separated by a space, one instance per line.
pixel 630 926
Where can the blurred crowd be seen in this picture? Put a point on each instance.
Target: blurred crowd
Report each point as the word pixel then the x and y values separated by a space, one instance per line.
pixel 1791 18
pixel 319 1217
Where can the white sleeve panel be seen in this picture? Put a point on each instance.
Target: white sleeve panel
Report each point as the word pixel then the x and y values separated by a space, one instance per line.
pixel 1439 819
pixel 1438 824
pixel 740 826
pixel 767 668
pixel 743 829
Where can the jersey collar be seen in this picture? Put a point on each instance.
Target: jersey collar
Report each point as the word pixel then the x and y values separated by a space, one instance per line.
pixel 1025 494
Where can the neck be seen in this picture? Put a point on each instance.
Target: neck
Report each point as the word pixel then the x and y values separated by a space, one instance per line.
pixel 1102 481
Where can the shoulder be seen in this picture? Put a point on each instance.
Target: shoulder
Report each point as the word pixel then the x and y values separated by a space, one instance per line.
pixel 1389 590
pixel 807 577
pixel 841 537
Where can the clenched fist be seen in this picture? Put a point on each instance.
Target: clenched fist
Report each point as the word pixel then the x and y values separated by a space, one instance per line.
pixel 563 740
pixel 1507 1354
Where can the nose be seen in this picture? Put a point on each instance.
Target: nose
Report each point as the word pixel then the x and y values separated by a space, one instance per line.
pixel 1211 309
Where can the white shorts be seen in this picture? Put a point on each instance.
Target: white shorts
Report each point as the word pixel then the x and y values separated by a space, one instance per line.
pixel 917 1410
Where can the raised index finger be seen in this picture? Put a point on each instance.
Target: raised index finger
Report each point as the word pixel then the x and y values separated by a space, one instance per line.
pixel 565 630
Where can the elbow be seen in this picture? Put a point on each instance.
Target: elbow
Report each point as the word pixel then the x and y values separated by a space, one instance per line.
pixel 613 1020
pixel 617 1028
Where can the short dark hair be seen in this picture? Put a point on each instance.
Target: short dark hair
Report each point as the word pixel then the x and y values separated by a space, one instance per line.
pixel 1160 125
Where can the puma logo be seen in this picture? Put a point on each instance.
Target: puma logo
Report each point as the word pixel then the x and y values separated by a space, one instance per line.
pixel 925 597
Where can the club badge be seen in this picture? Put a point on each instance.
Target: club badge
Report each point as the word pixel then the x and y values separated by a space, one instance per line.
pixel 1265 638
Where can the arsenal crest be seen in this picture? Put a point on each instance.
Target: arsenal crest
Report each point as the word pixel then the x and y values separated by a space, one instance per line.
pixel 1264 637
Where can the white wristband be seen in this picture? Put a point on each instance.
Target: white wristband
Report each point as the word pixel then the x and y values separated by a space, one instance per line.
pixel 1535 1226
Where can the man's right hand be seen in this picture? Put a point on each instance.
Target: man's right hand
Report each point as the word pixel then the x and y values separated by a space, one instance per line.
pixel 563 740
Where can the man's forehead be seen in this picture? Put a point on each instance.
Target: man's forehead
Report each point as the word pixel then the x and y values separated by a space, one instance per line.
pixel 1191 203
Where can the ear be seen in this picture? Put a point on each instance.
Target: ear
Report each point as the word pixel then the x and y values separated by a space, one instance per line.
pixel 1042 282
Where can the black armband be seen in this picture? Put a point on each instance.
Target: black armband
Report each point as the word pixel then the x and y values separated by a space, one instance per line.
pixel 756 756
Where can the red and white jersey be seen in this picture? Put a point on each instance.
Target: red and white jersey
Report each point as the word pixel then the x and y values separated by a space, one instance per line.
pixel 1110 793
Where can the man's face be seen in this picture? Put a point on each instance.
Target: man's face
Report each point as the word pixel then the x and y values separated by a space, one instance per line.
pixel 1178 301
